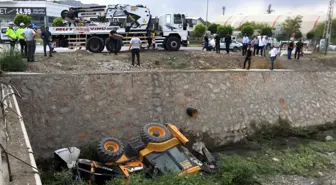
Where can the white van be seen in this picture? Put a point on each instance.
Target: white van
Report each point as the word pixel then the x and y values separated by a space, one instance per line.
pixel 3 36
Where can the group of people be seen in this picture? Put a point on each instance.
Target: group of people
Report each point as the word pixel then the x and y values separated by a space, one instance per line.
pixel 134 47
pixel 26 36
pixel 259 44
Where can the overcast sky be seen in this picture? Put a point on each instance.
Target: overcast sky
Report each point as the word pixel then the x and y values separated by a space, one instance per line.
pixel 197 8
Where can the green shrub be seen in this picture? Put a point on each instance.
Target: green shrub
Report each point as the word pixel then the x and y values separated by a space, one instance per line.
pixel 12 61
pixel 21 18
pixel 58 22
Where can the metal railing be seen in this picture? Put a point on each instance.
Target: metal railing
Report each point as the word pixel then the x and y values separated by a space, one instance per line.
pixel 8 102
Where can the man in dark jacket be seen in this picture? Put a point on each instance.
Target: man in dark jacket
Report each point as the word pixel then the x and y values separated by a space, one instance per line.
pixel 206 43
pixel 217 41
pixel 298 48
pixel 248 57
pixel 46 36
pixel 228 41
pixel 290 50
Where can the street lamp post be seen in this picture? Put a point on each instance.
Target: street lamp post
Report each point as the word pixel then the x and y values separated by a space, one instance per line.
pixel 207 13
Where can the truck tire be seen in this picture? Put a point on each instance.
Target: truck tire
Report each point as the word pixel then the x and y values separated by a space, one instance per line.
pixel 109 45
pixel 155 133
pixel 173 44
pixel 95 44
pixel 110 150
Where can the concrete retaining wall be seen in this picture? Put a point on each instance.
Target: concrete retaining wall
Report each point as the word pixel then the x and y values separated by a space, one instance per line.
pixel 79 109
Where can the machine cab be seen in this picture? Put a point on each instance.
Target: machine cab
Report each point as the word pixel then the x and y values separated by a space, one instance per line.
pixel 173 22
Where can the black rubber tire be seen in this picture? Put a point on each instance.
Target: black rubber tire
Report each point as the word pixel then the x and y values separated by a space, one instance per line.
pixel 164 45
pixel 148 138
pixel 109 47
pixel 64 13
pixel 95 45
pixel 173 44
pixel 106 156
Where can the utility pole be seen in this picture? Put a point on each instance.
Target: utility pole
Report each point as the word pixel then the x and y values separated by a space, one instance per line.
pixel 328 25
pixel 207 13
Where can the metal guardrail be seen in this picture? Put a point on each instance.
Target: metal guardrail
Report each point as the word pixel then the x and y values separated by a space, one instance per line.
pixel 8 103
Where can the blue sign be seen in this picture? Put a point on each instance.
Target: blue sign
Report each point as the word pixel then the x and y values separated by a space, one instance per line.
pixel 34 25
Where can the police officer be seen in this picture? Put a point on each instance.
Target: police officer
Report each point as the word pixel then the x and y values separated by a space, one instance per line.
pixel 22 41
pixel 11 35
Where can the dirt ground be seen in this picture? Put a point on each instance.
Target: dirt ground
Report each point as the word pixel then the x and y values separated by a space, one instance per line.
pixel 83 61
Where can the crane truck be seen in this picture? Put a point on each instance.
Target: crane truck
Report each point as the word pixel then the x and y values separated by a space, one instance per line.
pixel 93 25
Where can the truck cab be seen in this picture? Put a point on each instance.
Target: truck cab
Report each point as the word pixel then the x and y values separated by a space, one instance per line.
pixel 174 24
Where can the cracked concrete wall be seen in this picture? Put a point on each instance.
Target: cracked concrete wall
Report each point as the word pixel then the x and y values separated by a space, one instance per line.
pixel 79 109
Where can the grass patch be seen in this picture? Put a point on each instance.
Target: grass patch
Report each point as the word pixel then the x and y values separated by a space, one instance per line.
pixel 12 61
pixel 275 157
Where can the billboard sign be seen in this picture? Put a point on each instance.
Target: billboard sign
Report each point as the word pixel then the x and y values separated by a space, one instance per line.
pixel 23 10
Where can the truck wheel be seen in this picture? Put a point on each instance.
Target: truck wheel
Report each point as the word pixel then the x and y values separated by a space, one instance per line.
pixel 109 45
pixel 95 45
pixel 155 133
pixel 173 44
pixel 110 150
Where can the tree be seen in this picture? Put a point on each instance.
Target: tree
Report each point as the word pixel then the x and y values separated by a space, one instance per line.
pixel 21 18
pixel 267 31
pixel 310 34
pixel 318 32
pixel 58 22
pixel 254 24
pixel 248 30
pixel 292 25
pixel 199 30
pixel 298 35
pixel 224 30
pixel 213 28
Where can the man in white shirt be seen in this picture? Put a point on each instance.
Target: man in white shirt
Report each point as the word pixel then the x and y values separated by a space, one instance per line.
pixel 261 45
pixel 29 34
pixel 245 44
pixel 273 53
pixel 265 42
pixel 135 44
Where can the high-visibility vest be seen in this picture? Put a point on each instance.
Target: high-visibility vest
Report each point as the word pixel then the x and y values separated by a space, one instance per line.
pixel 11 33
pixel 19 32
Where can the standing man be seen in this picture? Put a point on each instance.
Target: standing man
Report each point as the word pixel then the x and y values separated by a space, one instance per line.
pixel 22 41
pixel 228 41
pixel 46 36
pixel 217 41
pixel 298 49
pixel 206 43
pixel 265 42
pixel 11 35
pixel 248 57
pixel 149 39
pixel 256 46
pixel 290 50
pixel 114 42
pixel 244 44
pixel 29 35
pixel 70 17
pixel 134 47
pixel 261 46
pixel 273 53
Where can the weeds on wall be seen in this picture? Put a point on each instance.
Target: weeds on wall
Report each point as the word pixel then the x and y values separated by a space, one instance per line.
pixel 12 61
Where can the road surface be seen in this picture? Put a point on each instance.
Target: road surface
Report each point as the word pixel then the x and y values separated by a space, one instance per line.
pixel 39 48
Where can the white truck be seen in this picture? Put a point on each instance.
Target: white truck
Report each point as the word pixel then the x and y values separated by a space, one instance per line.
pixel 93 25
